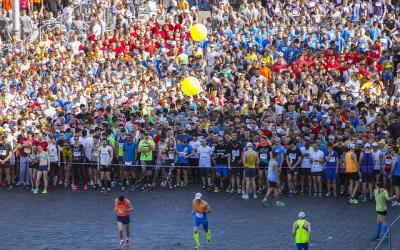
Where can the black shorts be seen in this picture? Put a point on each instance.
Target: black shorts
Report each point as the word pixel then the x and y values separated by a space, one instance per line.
pixel 124 219
pixel 293 171
pixel 250 172
pixel 353 176
pixel 365 177
pixel 205 172
pixel 305 171
pixel 396 180
pixel 382 212
pixel 262 166
pixel 377 172
pixel 194 162
pixel 284 171
pixel 34 165
pixel 54 169
pixel 236 170
pixel 7 165
pixel 181 166
pixel 273 184
pixel 342 178
pixel 319 173
pixel 104 168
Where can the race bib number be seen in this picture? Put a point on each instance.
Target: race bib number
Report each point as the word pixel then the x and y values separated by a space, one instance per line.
pixel 27 150
pixel 128 163
pixel 53 158
pixel 199 215
pixel 263 156
pixel 77 154
pixel 3 152
pixel 171 156
pixel 332 159
pixel 315 164
pixel 388 162
pixel 235 153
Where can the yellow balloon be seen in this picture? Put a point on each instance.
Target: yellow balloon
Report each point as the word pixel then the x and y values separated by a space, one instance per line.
pixel 198 32
pixel 191 86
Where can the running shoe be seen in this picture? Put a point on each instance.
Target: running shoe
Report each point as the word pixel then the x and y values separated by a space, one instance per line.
pixel 290 194
pixel 121 245
pixel 123 188
pixel 376 238
pixel 228 189
pixel 280 204
pixel 44 191
pixel 301 192
pixel 245 197
pixel 264 202
pixel 74 187
pixel 319 194
pixel 364 199
pixel 209 242
pixel 328 194
pixel 395 203
pixel 91 183
pixel 10 188
pixel 35 191
pixel 85 187
pixel 103 190
pixel 254 196
pixel 197 246
pixel 216 190
pixel 232 191
pixel 128 242
pixel 239 190
pixel 203 187
pixel 60 182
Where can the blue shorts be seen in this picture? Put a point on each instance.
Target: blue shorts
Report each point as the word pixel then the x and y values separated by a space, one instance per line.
pixel 330 174
pixel 43 168
pixel 198 221
pixel 222 170
pixel 388 76
pixel 124 219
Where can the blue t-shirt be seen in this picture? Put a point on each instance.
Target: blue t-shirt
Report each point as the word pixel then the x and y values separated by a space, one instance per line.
pixel 183 151
pixel 129 151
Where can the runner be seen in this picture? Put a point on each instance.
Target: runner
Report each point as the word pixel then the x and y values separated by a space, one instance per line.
pixel 381 196
pixel 301 230
pixel 54 158
pixel 236 166
pixel 250 163
pixel 33 166
pixel 263 149
pixel 43 169
pixel 331 170
pixel 184 152
pixel 129 154
pixel 222 158
pixel 146 148
pixel 92 169
pixel 293 161
pixel 273 176
pixel 352 173
pixel 395 174
pixel 366 169
pixel 168 154
pixel 378 161
pixel 317 164
pixel 5 157
pixel 205 153
pixel 24 150
pixel 79 171
pixel 104 161
pixel 305 169
pixel 388 166
pixel 122 209
pixel 200 209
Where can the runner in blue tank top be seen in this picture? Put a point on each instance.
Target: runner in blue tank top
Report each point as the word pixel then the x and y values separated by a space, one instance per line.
pixel 331 170
pixel 396 180
pixel 367 172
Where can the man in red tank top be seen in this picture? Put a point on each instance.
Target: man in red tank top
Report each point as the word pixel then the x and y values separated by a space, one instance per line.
pixel 122 208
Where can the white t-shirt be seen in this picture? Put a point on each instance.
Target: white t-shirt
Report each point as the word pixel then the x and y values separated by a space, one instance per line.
pixel 105 155
pixel 195 145
pixel 306 161
pixel 53 153
pixel 204 156
pixel 316 156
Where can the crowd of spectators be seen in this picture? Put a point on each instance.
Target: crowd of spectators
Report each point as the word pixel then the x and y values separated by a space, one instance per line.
pixel 274 73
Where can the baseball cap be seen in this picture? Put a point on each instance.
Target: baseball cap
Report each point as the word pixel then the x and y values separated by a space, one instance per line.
pixel 374 144
pixel 367 145
pixel 198 196
pixel 352 146
pixel 302 215
pixel 249 144
pixel 359 142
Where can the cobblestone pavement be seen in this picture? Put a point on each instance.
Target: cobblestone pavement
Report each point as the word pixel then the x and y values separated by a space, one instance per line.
pixel 162 220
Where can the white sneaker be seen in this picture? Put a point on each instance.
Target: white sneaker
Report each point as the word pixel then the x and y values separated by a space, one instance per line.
pixel 245 197
pixel 395 204
pixel 254 196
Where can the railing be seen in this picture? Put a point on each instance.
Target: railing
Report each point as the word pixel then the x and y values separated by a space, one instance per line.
pixel 391 239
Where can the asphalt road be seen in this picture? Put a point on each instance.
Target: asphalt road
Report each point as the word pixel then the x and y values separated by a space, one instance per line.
pixel 162 220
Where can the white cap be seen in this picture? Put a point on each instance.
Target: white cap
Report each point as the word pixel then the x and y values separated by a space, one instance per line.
pixel 249 144
pixel 367 145
pixel 360 142
pixel 374 144
pixel 302 215
pixel 352 146
pixel 198 196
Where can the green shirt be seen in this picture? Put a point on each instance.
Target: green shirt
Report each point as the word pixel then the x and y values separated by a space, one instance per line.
pixel 147 156
pixel 380 199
